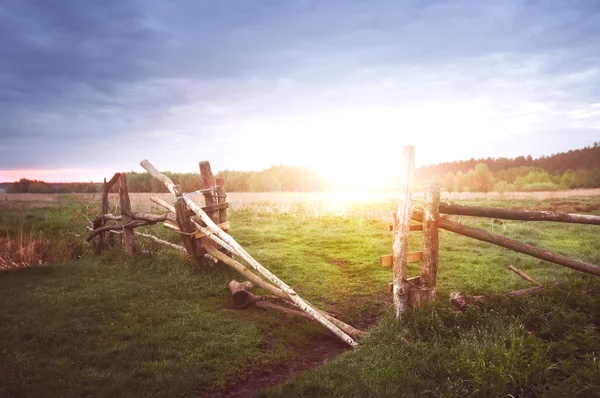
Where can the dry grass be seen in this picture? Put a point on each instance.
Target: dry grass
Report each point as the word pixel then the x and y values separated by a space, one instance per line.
pixel 24 250
pixel 314 204
pixel 237 198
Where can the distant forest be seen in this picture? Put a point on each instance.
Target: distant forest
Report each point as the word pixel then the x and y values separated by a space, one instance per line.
pixel 578 168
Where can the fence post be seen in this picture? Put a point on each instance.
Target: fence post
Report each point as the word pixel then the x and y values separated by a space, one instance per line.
pixel 126 213
pixel 186 227
pixel 221 198
pixel 208 183
pixel 401 231
pixel 429 262
pixel 99 222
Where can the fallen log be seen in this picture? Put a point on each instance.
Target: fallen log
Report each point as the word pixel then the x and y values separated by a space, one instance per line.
pixel 240 294
pixel 243 298
pixel 213 229
pixel 348 329
pixel 515 245
pixel 245 272
pixel 519 215
pixel 460 300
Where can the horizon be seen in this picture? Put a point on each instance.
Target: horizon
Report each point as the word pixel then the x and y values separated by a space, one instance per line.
pixel 42 175
pixel 96 87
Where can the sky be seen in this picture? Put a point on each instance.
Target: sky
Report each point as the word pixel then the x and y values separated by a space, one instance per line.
pixel 88 88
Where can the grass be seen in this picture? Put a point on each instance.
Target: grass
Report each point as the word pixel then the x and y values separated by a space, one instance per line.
pixel 154 325
pixel 540 346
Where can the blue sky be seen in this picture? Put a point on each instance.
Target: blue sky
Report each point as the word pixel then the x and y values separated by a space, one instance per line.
pixel 100 85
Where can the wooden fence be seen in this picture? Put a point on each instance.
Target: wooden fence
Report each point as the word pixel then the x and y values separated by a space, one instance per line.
pixel 411 291
pixel 203 232
pixel 179 218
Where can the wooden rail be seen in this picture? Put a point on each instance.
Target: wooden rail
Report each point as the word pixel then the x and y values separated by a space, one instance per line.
pixel 520 215
pixel 515 245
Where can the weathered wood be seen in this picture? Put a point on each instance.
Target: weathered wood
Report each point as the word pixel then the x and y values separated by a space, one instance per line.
pixel 208 190
pixel 429 262
pixel 211 258
pixel 107 228
pixel 401 231
pixel 460 300
pixel 519 215
pixel 266 305
pixel 172 226
pixel 212 250
pixel 415 280
pixel 240 294
pixel 224 240
pixel 157 240
pixel 139 216
pixel 162 203
pixel 245 272
pixel 200 235
pixel 208 209
pixel 128 239
pixel 412 228
pixel 196 234
pixel 185 226
pixel 98 223
pixel 347 329
pixel 411 257
pixel 524 275
pixel 515 245
pixel 221 198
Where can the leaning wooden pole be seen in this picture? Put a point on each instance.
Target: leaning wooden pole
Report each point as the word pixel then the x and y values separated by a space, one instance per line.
pixel 429 261
pixel 401 231
pixel 208 189
pixel 239 250
pixel 126 216
pixel 519 215
pixel 100 222
pixel 515 245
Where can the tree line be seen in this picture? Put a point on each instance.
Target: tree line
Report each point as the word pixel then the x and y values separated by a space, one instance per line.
pixel 273 179
pixel 482 179
pixel 578 168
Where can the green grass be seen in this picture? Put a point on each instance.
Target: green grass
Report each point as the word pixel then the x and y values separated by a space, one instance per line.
pixel 537 346
pixel 156 326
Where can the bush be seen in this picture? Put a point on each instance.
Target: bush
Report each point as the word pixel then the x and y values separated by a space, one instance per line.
pixel 540 186
pixel 502 186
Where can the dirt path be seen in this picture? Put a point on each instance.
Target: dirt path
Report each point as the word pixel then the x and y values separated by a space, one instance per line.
pixel 318 352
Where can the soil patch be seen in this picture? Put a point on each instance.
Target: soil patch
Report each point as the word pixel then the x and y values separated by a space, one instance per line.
pixel 319 351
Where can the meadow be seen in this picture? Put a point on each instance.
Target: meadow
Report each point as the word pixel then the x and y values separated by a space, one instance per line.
pixel 154 325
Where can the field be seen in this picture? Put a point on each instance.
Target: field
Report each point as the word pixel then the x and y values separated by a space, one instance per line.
pixel 156 326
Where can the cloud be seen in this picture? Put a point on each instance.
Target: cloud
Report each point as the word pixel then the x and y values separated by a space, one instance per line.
pixel 112 82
